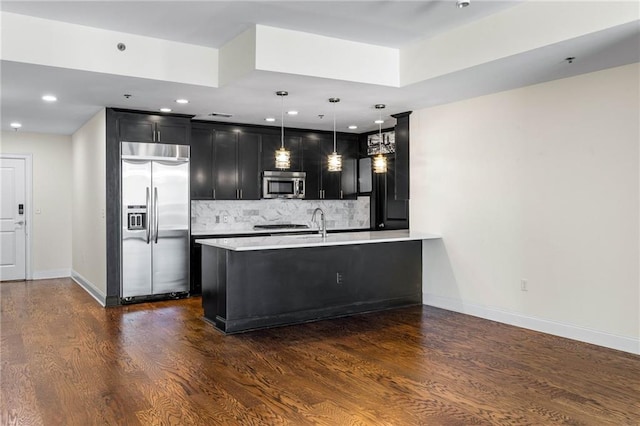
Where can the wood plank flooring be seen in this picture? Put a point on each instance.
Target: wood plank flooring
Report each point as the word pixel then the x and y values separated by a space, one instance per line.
pixel 65 360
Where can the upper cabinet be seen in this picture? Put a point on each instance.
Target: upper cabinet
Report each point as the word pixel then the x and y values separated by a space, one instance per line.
pixel 321 183
pixel 140 127
pixel 401 166
pixel 201 162
pixel 225 163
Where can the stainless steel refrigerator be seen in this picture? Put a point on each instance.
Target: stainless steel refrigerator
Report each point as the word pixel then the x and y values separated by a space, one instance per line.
pixel 155 220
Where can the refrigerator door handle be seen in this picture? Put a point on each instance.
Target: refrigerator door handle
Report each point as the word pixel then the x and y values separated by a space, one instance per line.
pixel 155 214
pixel 147 225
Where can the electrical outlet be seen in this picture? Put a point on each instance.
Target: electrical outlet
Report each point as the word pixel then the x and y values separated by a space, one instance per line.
pixel 523 285
pixel 217 219
pixel 339 278
pixel 225 219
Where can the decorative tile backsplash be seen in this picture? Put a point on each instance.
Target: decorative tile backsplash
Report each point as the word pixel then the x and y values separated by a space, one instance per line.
pixel 240 216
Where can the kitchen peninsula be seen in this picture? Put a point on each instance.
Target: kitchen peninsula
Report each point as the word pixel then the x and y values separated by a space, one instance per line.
pixel 258 282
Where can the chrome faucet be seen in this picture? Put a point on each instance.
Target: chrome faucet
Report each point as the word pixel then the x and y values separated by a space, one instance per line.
pixel 323 223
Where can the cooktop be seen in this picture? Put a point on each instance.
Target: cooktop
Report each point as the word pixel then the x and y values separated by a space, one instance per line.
pixel 281 226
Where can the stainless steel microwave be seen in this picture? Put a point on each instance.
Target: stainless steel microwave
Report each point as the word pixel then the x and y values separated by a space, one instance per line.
pixel 277 184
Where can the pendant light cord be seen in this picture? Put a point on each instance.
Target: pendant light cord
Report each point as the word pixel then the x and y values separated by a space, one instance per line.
pixel 282 122
pixel 334 127
pixel 380 133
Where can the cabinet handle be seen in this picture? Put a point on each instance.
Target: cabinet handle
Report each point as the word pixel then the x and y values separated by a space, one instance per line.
pixel 241 194
pixel 341 194
pixel 158 135
pixel 153 136
pixel 214 193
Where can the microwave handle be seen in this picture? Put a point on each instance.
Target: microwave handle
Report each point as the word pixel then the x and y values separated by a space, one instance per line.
pixel 300 187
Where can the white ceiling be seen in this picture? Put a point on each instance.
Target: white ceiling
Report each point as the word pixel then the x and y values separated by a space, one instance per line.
pixel 250 99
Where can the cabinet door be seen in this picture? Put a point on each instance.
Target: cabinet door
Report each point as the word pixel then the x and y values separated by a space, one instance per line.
pixel 311 165
pixel 294 144
pixel 348 147
pixel 136 128
pixel 201 163
pixel 172 130
pixel 330 180
pixel 395 211
pixel 249 166
pixel 225 157
pixel 401 184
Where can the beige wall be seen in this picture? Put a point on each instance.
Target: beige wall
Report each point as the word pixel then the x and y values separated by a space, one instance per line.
pixel 539 183
pixel 89 198
pixel 51 210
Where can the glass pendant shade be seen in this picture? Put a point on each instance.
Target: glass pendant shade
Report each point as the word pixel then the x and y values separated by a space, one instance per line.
pixel 379 164
pixel 334 160
pixel 283 159
pixel 379 161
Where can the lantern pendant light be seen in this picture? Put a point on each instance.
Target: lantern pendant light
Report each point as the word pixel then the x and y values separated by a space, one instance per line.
pixel 334 160
pixel 380 161
pixel 283 156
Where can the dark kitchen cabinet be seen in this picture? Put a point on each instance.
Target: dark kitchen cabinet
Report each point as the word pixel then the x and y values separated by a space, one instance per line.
pixel 388 212
pixel 390 190
pixel 348 147
pixel 135 127
pixel 227 165
pixel 201 163
pixel 249 181
pixel 401 166
pixel 312 165
pixel 321 183
pixel 235 165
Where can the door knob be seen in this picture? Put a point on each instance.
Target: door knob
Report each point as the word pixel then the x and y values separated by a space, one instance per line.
pixel 20 222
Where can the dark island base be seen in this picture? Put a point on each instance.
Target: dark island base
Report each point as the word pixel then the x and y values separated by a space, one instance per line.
pixel 249 290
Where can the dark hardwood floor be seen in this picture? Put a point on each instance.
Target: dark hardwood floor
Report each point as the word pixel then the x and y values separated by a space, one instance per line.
pixel 68 361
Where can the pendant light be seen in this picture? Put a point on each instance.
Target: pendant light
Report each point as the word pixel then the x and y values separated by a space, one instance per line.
pixel 334 159
pixel 380 161
pixel 283 157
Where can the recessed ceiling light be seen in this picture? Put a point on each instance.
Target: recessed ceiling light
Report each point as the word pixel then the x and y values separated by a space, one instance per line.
pixel 379 121
pixel 165 109
pixel 16 125
pixel 182 101
pixel 463 3
pixel 353 127
pixel 49 98
pixel 270 119
pixel 292 112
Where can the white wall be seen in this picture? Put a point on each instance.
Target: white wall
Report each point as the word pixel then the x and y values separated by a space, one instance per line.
pixel 61 44
pixel 51 227
pixel 89 201
pixel 539 183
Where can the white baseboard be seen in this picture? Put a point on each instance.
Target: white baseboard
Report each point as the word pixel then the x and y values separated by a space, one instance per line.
pixel 89 287
pixel 50 273
pixel 570 331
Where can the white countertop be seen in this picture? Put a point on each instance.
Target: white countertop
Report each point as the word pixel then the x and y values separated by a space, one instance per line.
pixel 314 240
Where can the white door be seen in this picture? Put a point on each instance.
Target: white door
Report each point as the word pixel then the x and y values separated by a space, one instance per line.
pixel 12 219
